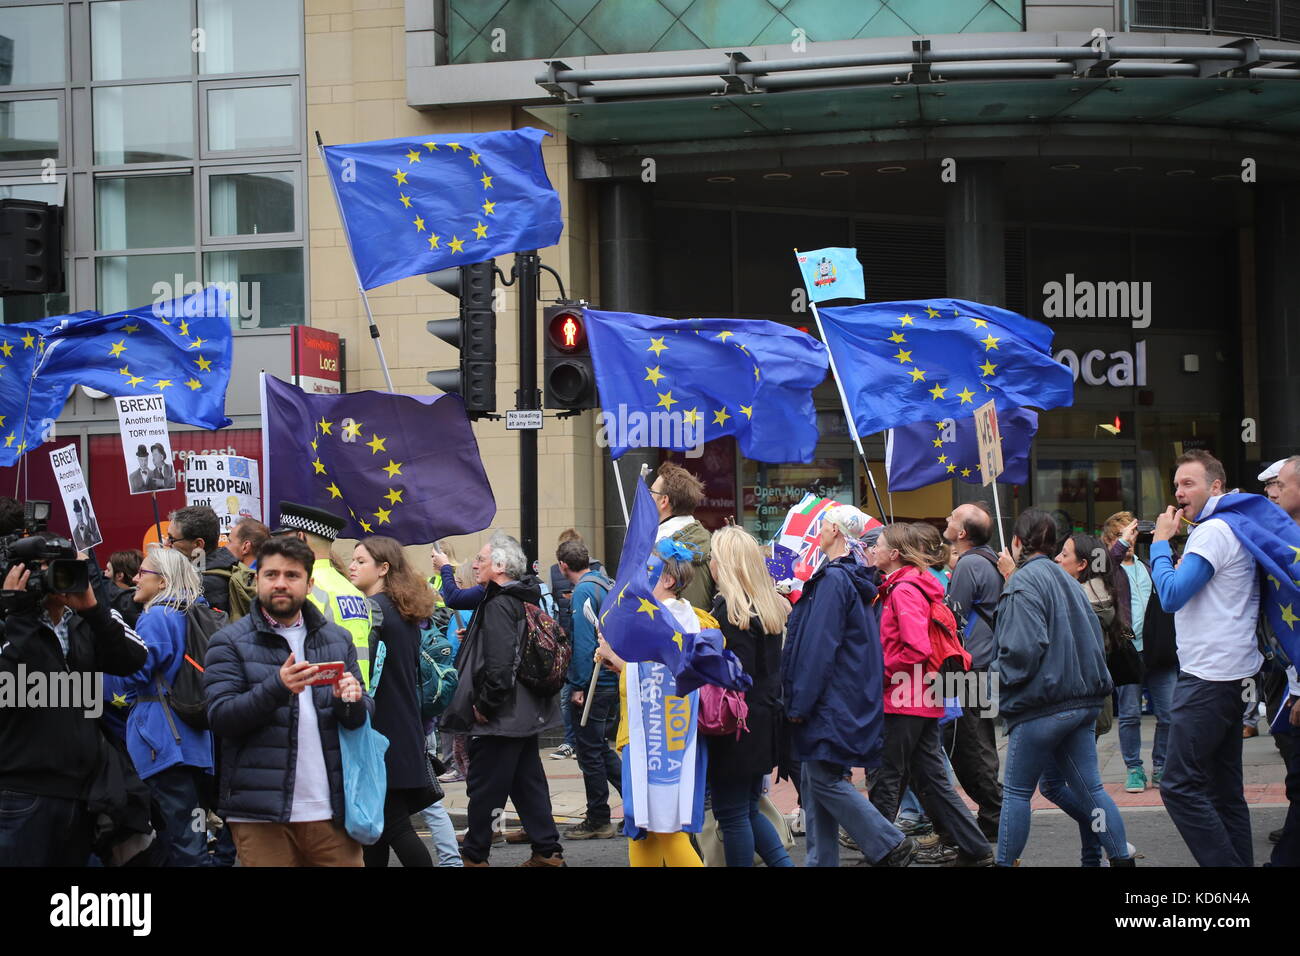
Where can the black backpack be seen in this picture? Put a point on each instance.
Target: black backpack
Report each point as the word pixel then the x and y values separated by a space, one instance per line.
pixel 186 695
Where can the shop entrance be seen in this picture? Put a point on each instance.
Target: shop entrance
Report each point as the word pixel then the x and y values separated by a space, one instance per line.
pixel 1084 492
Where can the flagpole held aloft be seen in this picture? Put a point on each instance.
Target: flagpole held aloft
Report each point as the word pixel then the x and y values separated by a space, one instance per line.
pixel 374 329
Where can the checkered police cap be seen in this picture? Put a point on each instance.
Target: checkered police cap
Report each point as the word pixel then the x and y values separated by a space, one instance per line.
pixel 317 521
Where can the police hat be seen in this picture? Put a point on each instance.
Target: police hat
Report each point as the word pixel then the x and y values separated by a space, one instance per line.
pixel 317 521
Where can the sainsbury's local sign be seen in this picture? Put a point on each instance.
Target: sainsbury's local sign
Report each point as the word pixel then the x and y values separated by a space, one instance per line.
pixel 1121 368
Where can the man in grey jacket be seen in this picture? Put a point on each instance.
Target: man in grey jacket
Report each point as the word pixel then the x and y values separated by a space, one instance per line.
pixel 503 717
pixel 973 593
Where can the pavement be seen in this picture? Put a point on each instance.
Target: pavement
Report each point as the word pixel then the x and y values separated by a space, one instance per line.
pixel 1054 839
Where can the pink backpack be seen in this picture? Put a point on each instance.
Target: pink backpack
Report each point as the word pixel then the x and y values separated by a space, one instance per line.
pixel 722 711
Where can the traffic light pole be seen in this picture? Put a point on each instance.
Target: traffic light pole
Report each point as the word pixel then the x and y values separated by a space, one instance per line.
pixel 528 397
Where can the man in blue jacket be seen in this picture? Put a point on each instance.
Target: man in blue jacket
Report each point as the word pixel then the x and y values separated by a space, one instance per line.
pixel 600 765
pixel 281 765
pixel 833 672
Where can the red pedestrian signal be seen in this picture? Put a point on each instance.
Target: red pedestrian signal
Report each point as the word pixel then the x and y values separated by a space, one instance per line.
pixel 566 331
pixel 570 380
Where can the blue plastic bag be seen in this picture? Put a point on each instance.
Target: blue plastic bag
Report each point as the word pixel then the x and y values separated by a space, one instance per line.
pixel 365 782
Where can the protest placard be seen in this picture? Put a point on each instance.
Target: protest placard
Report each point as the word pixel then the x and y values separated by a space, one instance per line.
pixel 226 484
pixel 76 500
pixel 146 447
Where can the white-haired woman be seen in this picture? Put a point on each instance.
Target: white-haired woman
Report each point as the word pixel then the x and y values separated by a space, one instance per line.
pixel 752 616
pixel 172 758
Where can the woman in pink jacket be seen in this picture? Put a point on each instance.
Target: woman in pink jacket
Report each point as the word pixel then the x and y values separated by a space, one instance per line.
pixel 910 596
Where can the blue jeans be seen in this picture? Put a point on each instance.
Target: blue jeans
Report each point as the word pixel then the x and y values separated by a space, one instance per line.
pixel 1202 784
pixel 438 821
pixel 831 802
pixel 185 831
pixel 909 808
pixel 42 831
pixel 567 712
pixel 1160 688
pixel 744 829
pixel 1063 748
pixel 599 763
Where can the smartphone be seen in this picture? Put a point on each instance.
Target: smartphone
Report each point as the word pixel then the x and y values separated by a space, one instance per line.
pixel 329 673
pixel 1146 527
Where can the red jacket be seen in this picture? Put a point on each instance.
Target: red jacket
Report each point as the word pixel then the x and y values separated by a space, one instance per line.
pixel 905 639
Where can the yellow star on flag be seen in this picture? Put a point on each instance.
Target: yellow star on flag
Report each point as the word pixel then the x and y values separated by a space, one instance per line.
pixel 117 349
pixel 352 429
pixel 966 395
pixel 376 444
pixel 965 472
pixel 134 380
pixel 691 416
pixel 1276 583
pixel 320 468
pixel 163 383
pixel 406 200
pixel 1297 553
pixel 903 356
pixel 897 337
pixel 942 459
pixel 1288 617
pixel 400 176
pixel 988 367
pixel 747 411
pixel 455 147
pixel 931 313
pixel 905 319
pixel 723 336
pixel 677 639
pixel 365 526
pixel 666 400
pixel 657 346
pixel 193 383
pixel 393 468
pixel 382 514
pixel 131 329
pixel 119 700
pixel 29 340
pixel 124 370
pixel 325 427
pixel 432 147
pixel 951 469
pixel 653 375
pixel 412 157
pixel 989 342
pixel 197 343
pixel 647 607
pixel 486 181
pixel 473 158
pixel 480 231
pixel 938 443
pixel 918 375
pixel 979 323
pixel 418 223
pixel 720 416
pixel 333 489
pixel 9 439
pixel 205 365
pixel 394 497
pixel 433 240
pixel 456 244
pixel 184 327
pixel 489 208
pixel 7 348
pixel 938 391
pixel 313 444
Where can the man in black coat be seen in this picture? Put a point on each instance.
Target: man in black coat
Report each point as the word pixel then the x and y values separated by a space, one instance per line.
pixel 49 754
pixel 196 530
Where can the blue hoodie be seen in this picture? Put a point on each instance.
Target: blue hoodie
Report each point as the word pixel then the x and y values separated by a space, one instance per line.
pixel 591 588
pixel 149 737
pixel 832 668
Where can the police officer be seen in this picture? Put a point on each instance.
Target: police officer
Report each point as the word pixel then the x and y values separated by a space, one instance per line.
pixel 331 592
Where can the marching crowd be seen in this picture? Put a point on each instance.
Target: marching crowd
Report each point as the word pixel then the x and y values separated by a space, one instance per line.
pixel 907 653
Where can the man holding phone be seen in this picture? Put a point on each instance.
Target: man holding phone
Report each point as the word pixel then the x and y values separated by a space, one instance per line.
pixel 278 723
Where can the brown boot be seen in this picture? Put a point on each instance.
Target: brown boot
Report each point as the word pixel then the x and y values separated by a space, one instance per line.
pixel 466 861
pixel 516 836
pixel 496 837
pixel 555 859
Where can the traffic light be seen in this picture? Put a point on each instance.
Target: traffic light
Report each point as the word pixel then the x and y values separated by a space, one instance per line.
pixel 474 333
pixel 31 247
pixel 570 381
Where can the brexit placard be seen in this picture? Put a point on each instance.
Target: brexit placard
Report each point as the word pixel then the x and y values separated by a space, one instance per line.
pixel 225 483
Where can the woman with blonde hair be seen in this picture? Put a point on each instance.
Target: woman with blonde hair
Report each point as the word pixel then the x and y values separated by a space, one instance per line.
pixel 752 616
pixel 171 757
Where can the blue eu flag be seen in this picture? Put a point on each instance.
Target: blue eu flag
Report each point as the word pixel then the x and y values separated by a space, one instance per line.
pixel 401 465
pixel 179 349
pixel 413 206
pixel 677 384
pixel 903 362
pixel 26 413
pixel 925 452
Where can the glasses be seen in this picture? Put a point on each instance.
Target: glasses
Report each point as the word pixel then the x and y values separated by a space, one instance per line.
pixel 659 494
pixel 172 540
pixel 147 571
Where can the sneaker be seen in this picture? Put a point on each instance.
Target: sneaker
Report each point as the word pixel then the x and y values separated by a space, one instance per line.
pixel 927 840
pixel 1248 731
pixel 794 819
pixel 900 855
pixel 1137 781
pixel 517 836
pixel 563 752
pixel 467 862
pixel 555 859
pixel 846 841
pixel 940 854
pixel 1156 775
pixel 586 830
pixel 965 859
pixel 918 827
pixel 451 776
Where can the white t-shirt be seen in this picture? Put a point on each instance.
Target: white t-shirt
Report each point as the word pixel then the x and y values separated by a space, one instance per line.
pixel 1216 628
pixel 311 787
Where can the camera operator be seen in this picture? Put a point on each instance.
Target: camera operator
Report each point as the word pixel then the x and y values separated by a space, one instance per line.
pixel 49 754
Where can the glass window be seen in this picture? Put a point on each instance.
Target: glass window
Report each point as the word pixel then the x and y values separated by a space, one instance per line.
pixel 252 118
pixel 31 46
pixel 143 124
pixel 51 193
pixel 250 36
pixel 144 212
pixel 30 308
pixel 127 282
pixel 29 130
pixel 770 490
pixel 250 204
pixel 130 39
pixel 268 282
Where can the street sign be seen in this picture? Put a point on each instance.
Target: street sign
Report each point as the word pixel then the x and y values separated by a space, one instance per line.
pixel 990 441
pixel 518 419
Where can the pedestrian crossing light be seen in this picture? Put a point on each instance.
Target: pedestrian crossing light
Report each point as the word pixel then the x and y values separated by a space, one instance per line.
pixel 473 332
pixel 570 379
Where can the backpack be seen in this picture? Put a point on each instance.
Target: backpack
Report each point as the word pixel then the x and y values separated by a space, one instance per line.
pixel 438 677
pixel 186 697
pixel 544 652
pixel 947 655
pixel 242 588
pixel 723 711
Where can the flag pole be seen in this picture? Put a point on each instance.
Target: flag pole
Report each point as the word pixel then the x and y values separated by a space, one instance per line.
pixel 848 412
pixel 374 329
pixel 622 496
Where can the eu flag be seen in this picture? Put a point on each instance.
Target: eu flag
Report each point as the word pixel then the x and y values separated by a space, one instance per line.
pixel 925 452
pixel 1273 539
pixel 401 465
pixel 180 349
pixel 412 206
pixel 677 384
pixel 639 628
pixel 26 413
pixel 903 362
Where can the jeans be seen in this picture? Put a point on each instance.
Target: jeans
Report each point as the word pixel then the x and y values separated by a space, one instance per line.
pixel 1063 747
pixel 42 831
pixel 501 768
pixel 438 820
pixel 599 764
pixel 909 808
pixel 568 712
pixel 177 791
pixel 1202 783
pixel 744 829
pixel 1160 688
pixel 830 802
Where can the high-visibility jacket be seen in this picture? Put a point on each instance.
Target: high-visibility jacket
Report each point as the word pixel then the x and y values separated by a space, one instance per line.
pixel 343 604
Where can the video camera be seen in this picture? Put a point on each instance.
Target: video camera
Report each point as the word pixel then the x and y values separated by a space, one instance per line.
pixel 31 546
